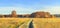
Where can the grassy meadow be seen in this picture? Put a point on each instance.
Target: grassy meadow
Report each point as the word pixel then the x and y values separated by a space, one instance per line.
pixel 24 22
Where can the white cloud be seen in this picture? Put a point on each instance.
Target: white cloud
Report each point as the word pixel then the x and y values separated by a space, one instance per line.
pixel 52 10
pixel 20 10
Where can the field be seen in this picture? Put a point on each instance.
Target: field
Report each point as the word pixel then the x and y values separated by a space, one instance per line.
pixel 29 22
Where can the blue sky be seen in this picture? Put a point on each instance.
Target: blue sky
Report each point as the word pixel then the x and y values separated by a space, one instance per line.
pixel 29 6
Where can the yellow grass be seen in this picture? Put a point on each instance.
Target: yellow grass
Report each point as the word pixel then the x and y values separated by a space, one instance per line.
pixel 12 22
pixel 46 22
pixel 24 22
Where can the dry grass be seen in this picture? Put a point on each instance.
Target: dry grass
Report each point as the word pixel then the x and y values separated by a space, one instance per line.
pixel 46 23
pixel 12 22
pixel 37 22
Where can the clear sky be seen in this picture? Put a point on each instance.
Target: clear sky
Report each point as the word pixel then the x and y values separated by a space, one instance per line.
pixel 29 6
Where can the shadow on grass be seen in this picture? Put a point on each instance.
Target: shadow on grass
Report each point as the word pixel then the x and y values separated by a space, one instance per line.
pixel 31 24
